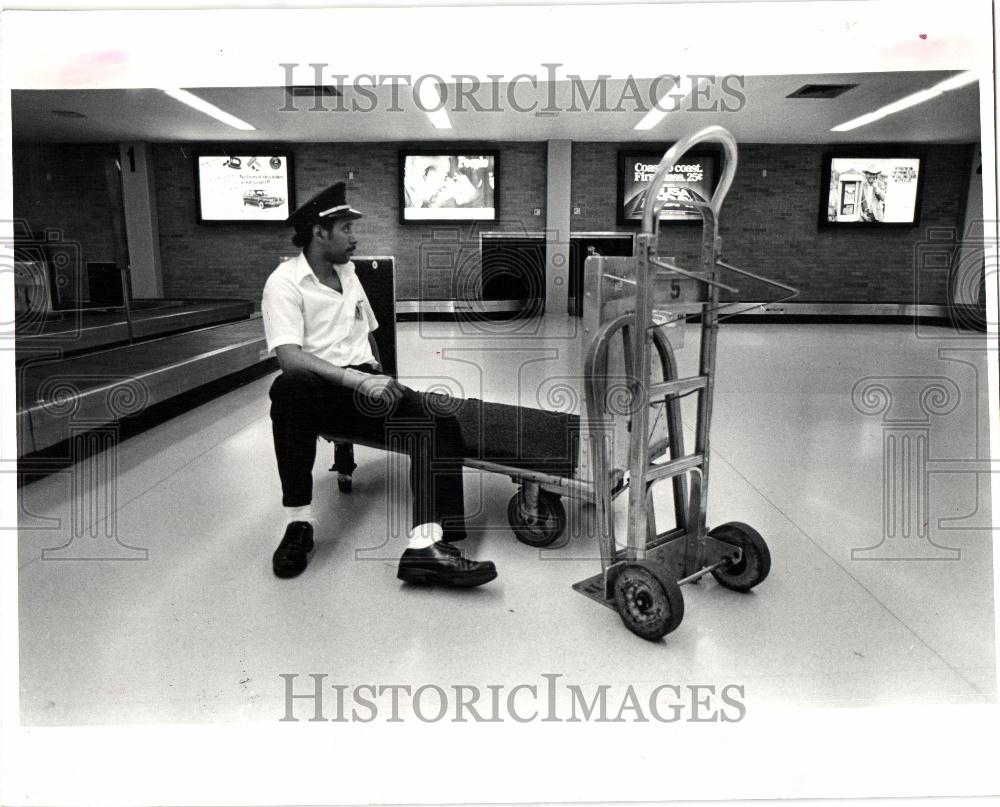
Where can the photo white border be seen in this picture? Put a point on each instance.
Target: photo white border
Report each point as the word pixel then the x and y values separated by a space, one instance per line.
pixel 926 751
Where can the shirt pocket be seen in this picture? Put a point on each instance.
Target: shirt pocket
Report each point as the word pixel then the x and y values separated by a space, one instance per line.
pixel 354 305
pixel 328 314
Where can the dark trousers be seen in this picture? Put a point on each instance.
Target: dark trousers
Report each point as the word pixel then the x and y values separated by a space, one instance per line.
pixel 304 406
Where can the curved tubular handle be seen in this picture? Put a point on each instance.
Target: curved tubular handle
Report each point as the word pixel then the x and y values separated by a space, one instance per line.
pixel 651 210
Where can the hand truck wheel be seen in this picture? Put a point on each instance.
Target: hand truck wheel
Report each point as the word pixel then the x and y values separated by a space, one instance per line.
pixel 545 528
pixel 648 599
pixel 753 567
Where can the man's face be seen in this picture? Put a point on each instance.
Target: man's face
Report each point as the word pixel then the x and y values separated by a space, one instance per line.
pixel 339 243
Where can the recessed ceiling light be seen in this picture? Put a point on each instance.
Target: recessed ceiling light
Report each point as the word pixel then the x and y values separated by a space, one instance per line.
pixel 211 110
pixel 677 93
pixel 431 103
pixel 953 83
pixel 956 81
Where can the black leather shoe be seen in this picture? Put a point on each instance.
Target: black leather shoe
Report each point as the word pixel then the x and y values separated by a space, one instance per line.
pixel 290 557
pixel 444 565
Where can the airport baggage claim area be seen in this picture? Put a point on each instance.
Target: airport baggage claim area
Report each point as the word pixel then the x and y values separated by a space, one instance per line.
pixel 793 288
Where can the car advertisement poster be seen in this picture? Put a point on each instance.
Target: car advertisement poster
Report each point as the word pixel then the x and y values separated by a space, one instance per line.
pixel 243 188
pixel 688 181
pixel 873 190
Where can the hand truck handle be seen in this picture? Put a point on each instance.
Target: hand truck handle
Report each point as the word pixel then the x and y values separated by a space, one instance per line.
pixel 673 268
pixel 792 292
pixel 652 207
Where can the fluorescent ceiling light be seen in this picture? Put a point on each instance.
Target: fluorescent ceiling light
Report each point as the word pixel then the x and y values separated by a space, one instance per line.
pixel 430 102
pixel 209 109
pixel 677 93
pixel 953 83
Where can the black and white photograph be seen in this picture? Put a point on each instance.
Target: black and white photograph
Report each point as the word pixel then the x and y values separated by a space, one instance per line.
pixel 499 403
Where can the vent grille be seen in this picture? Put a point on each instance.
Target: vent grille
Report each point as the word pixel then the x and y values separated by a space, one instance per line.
pixel 822 91
pixel 67 113
pixel 309 91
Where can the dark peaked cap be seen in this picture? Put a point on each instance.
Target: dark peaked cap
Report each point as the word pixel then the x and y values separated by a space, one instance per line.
pixel 327 205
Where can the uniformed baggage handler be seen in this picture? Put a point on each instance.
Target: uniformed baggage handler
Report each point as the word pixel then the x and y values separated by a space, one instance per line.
pixel 319 323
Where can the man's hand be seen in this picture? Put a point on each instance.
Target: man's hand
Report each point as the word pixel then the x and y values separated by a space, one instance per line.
pixel 382 388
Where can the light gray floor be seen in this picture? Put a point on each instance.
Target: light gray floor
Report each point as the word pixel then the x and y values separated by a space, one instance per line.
pixel 200 631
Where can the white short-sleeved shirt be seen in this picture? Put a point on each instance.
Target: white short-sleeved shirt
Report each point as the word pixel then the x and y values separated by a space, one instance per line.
pixel 332 325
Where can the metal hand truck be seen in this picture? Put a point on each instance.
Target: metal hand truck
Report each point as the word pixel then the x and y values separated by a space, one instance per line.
pixel 639 298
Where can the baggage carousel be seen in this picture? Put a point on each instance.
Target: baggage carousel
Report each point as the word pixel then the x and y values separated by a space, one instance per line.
pixel 69 332
pixel 83 370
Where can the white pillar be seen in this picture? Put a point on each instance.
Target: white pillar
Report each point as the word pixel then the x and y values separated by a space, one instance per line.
pixel 141 228
pixel 557 224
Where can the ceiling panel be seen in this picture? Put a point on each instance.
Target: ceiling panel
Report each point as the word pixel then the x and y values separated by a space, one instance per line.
pixel 754 108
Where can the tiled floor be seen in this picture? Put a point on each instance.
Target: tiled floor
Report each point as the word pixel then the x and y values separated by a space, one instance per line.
pixel 192 627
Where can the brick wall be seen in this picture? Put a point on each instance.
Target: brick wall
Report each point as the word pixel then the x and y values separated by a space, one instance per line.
pixel 64 188
pixel 208 260
pixel 769 225
pixel 432 261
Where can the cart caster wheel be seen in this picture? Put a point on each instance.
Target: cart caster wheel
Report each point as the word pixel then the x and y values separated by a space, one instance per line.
pixel 755 564
pixel 546 527
pixel 648 599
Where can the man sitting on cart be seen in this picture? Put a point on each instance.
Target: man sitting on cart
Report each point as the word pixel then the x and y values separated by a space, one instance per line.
pixel 318 322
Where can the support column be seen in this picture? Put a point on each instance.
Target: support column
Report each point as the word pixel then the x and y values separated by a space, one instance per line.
pixel 141 227
pixel 557 227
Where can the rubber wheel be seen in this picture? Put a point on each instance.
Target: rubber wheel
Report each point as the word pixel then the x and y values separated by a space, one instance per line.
pixel 546 528
pixel 648 599
pixel 260 205
pixel 755 564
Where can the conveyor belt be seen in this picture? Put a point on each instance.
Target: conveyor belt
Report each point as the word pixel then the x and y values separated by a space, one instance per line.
pixel 59 398
pixel 69 332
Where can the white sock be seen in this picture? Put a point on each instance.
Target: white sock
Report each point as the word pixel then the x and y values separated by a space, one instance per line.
pixel 423 535
pixel 304 513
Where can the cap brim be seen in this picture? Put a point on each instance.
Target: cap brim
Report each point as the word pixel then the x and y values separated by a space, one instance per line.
pixel 296 220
